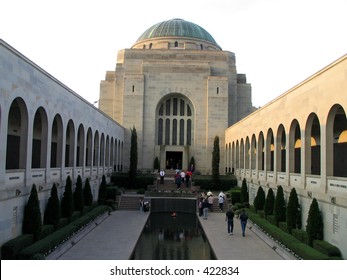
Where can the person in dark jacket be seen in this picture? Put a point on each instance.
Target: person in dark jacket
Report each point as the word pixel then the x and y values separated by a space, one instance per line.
pixel 229 218
pixel 243 220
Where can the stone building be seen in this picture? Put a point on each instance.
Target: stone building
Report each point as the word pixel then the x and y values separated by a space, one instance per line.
pixel 179 89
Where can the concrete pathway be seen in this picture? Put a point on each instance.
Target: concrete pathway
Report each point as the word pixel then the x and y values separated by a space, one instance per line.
pixel 116 236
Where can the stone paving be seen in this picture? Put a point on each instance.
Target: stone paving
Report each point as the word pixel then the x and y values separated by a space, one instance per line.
pixel 116 236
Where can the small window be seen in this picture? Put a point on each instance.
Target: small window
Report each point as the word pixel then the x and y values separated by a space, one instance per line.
pixel 217 90
pixel 176 44
pixel 133 88
pixel 201 47
pixel 150 46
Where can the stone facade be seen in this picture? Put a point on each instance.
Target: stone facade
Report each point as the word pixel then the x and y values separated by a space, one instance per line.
pixel 175 72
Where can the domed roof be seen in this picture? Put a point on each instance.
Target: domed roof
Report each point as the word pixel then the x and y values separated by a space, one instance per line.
pixel 177 28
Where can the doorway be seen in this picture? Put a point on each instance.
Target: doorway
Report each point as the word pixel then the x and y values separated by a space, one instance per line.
pixel 174 160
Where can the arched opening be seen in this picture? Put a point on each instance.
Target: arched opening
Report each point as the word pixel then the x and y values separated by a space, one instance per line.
pixel 261 151
pixel 247 153
pixel 313 147
pixel 253 152
pixel 70 144
pixel 337 142
pixel 89 148
pixel 233 158
pixel 242 154
pixel 57 142
pixel 40 133
pixel 96 151
pixel 80 151
pixel 102 150
pixel 270 150
pixel 111 153
pixel 295 148
pixel 107 152
pixel 281 149
pixel 17 135
pixel 237 161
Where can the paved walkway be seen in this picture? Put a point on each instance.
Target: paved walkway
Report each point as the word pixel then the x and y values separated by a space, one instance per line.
pixel 116 236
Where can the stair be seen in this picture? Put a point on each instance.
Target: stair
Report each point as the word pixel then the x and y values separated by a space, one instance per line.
pixel 129 202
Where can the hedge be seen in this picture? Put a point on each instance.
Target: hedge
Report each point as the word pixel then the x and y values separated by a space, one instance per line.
pixel 49 243
pixel 11 248
pixel 302 250
pixel 326 248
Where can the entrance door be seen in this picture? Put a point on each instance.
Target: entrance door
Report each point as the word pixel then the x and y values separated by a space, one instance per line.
pixel 174 160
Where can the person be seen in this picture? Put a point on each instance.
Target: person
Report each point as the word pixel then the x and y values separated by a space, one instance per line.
pixel 162 175
pixel 183 176
pixel 200 206
pixel 188 177
pixel 141 204
pixel 221 198
pixel 229 218
pixel 146 206
pixel 243 220
pixel 205 208
pixel 178 181
pixel 210 202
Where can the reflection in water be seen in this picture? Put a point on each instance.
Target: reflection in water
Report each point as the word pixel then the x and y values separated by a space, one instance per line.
pixel 172 238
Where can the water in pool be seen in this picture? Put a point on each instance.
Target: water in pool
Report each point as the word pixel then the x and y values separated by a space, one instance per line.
pixel 165 237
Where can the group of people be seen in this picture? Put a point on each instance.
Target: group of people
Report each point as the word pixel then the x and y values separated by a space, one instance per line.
pixel 144 205
pixel 182 178
pixel 205 205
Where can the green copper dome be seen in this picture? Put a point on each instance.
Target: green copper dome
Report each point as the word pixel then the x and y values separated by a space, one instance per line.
pixel 177 28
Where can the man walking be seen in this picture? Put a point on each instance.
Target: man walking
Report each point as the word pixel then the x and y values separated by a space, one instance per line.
pixel 162 175
pixel 229 218
pixel 243 220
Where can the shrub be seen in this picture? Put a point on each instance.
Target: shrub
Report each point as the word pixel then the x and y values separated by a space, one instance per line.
pixel 235 196
pixel 269 203
pixel 301 235
pixel 293 213
pixel 88 197
pixel 32 221
pixel 133 157
pixel 215 163
pixel 53 211
pixel 280 206
pixel 314 227
pixel 326 248
pixel 102 191
pixel 67 206
pixel 156 164
pixel 11 248
pixel 244 197
pixel 78 195
pixel 47 230
pixel 271 219
pixel 259 199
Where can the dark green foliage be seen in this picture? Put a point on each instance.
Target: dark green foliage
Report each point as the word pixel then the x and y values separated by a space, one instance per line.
pixel 215 163
pixel 47 230
pixel 133 158
pixel 259 199
pixel 32 221
pixel 53 211
pixel 235 195
pixel 280 206
pixel 102 191
pixel 293 213
pixel 11 248
pixel 205 182
pixel 326 248
pixel 122 180
pixel 301 235
pixel 88 197
pixel 244 192
pixel 192 164
pixel 269 203
pixel 78 195
pixel 67 205
pixel 156 164
pixel 314 227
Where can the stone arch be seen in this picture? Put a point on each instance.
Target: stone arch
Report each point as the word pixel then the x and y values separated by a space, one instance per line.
pixel 253 152
pixel 237 155
pixel 295 147
pixel 57 142
pixel 96 151
pixel 313 145
pixel 281 148
pixel 80 149
pixel 17 135
pixel 270 150
pixel 111 152
pixel 70 144
pixel 102 150
pixel 107 151
pixel 242 154
pixel 89 147
pixel 336 139
pixel 247 153
pixel 260 151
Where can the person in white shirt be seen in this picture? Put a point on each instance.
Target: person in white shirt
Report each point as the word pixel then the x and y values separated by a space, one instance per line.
pixel 162 175
pixel 183 176
pixel 221 198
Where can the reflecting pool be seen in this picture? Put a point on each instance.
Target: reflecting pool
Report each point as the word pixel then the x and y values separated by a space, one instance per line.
pixel 173 238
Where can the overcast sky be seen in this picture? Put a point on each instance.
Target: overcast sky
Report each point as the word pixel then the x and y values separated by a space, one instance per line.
pixel 277 43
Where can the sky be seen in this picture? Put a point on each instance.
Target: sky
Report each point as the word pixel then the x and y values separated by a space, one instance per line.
pixel 277 43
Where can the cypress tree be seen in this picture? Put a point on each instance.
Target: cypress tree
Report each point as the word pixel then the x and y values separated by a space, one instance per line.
pixel 244 196
pixel 53 211
pixel 259 199
pixel 269 203
pixel 88 196
pixel 192 164
pixel 280 206
pixel 133 157
pixel 293 211
pixel 32 220
pixel 102 191
pixel 78 195
pixel 314 227
pixel 156 164
pixel 215 163
pixel 67 205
